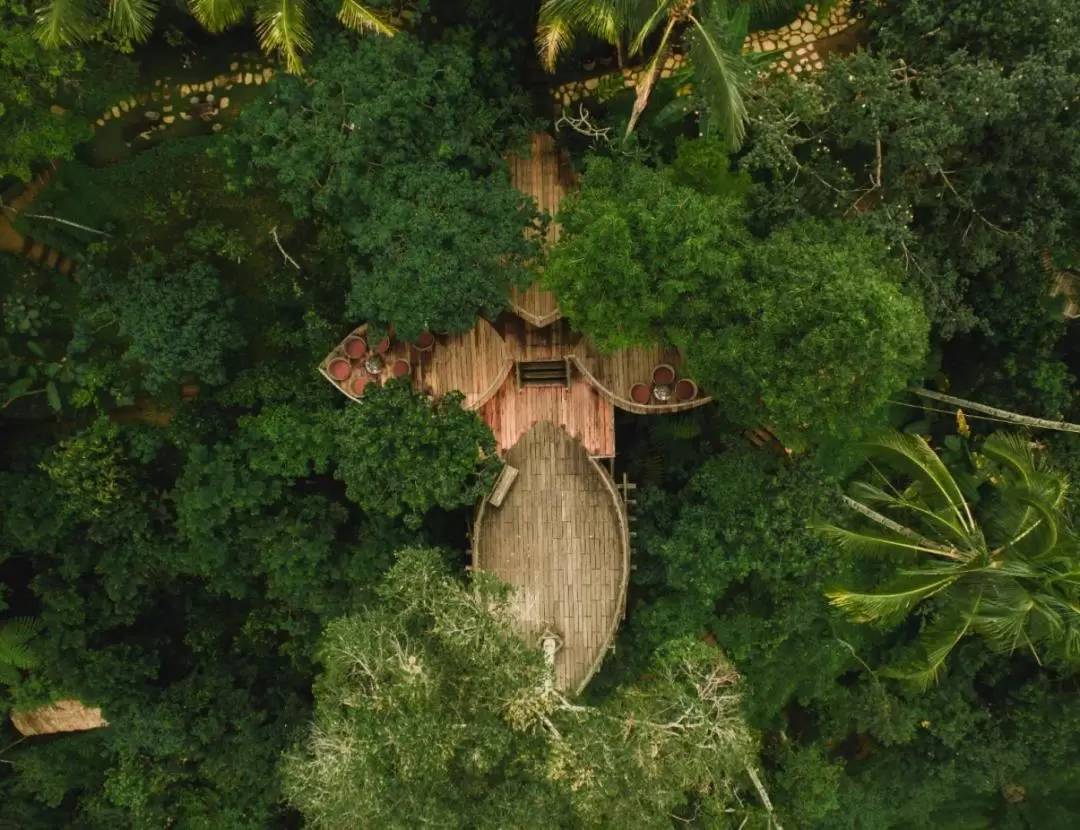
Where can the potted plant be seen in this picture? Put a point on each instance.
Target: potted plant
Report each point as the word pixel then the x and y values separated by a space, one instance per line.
pixel 339 369
pixel 685 390
pixel 356 347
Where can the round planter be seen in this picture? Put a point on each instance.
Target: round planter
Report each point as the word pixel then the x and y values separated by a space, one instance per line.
pixel 640 393
pixel 661 392
pixel 424 342
pixel 383 346
pixel 663 374
pixel 339 369
pixel 355 347
pixel 359 383
pixel 685 390
pixel 400 368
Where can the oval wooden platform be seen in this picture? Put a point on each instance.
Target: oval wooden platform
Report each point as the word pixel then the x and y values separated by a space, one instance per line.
pixel 560 538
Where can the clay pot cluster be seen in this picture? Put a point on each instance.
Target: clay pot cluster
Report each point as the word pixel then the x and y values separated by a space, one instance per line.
pixel 360 364
pixel 666 388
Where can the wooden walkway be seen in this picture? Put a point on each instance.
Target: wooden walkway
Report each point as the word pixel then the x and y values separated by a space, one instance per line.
pixel 545 176
pixel 480 364
pixel 560 539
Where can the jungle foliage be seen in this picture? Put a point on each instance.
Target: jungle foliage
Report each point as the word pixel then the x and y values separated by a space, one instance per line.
pixel 867 623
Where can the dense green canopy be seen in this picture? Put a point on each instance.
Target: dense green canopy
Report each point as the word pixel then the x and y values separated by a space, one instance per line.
pixel 264 585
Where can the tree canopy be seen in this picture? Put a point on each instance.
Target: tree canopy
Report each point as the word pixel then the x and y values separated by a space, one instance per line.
pixel 430 708
pixel 269 588
pixel 809 329
pixel 407 172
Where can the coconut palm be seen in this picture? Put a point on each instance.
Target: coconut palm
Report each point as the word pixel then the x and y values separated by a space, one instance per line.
pixel 995 553
pixel 714 31
pixel 281 24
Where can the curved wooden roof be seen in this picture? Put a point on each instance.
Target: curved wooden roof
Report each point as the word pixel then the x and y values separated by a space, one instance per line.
pixel 544 175
pixel 560 538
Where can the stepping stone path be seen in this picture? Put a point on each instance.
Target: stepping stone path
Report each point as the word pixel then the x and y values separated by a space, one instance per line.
pixel 796 42
pixel 251 73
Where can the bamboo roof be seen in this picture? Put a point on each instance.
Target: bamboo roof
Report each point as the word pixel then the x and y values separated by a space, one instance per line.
pixel 63 716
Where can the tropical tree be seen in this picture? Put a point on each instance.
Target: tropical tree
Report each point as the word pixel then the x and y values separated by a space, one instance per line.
pixel 431 711
pixel 282 25
pixel 714 32
pixel 988 553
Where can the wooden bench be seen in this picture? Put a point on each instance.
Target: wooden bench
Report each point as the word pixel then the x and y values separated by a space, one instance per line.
pixel 503 484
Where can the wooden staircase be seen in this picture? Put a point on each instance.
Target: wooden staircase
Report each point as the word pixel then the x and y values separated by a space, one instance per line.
pixel 26 246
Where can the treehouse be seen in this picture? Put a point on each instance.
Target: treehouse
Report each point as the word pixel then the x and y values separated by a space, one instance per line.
pixel 556 524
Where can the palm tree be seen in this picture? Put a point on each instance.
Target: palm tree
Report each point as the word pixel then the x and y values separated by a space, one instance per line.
pixel 281 24
pixel 1002 563
pixel 714 30
pixel 14 654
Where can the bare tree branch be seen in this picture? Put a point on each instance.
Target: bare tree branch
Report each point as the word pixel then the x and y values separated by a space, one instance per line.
pixel 288 259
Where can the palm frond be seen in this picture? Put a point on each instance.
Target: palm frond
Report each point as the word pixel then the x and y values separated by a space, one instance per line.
pixel 890 605
pixel 552 40
pixel 649 24
pixel 132 19
pixel 1012 451
pixel 912 453
pixel 936 642
pixel 360 17
pixel 282 27
pixel 1036 529
pixel 14 636
pixel 866 492
pixel 62 23
pixel 721 76
pixel 1003 621
pixel 869 544
pixel 558 21
pixel 218 15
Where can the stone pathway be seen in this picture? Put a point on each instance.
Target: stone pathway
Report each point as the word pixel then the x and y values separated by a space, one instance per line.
pixel 169 102
pixel 797 45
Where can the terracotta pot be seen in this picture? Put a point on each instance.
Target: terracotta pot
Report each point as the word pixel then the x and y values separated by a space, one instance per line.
pixel 339 369
pixel 425 341
pixel 640 393
pixel 686 390
pixel 400 368
pixel 356 347
pixel 358 384
pixel 663 374
pixel 383 346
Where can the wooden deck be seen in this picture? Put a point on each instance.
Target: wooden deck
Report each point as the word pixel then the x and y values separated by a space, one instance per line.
pixel 475 364
pixel 614 374
pixel 560 538
pixel 546 176
pixel 587 416
pixel 480 364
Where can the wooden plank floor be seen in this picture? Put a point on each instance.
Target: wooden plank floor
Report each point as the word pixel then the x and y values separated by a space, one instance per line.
pixel 560 539
pixel 615 373
pixel 580 410
pixel 546 176
pixel 474 363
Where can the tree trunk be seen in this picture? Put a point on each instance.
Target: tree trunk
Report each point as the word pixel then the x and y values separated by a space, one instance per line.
pixel 1003 414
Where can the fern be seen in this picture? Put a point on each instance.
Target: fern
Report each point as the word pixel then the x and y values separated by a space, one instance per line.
pixel 14 651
